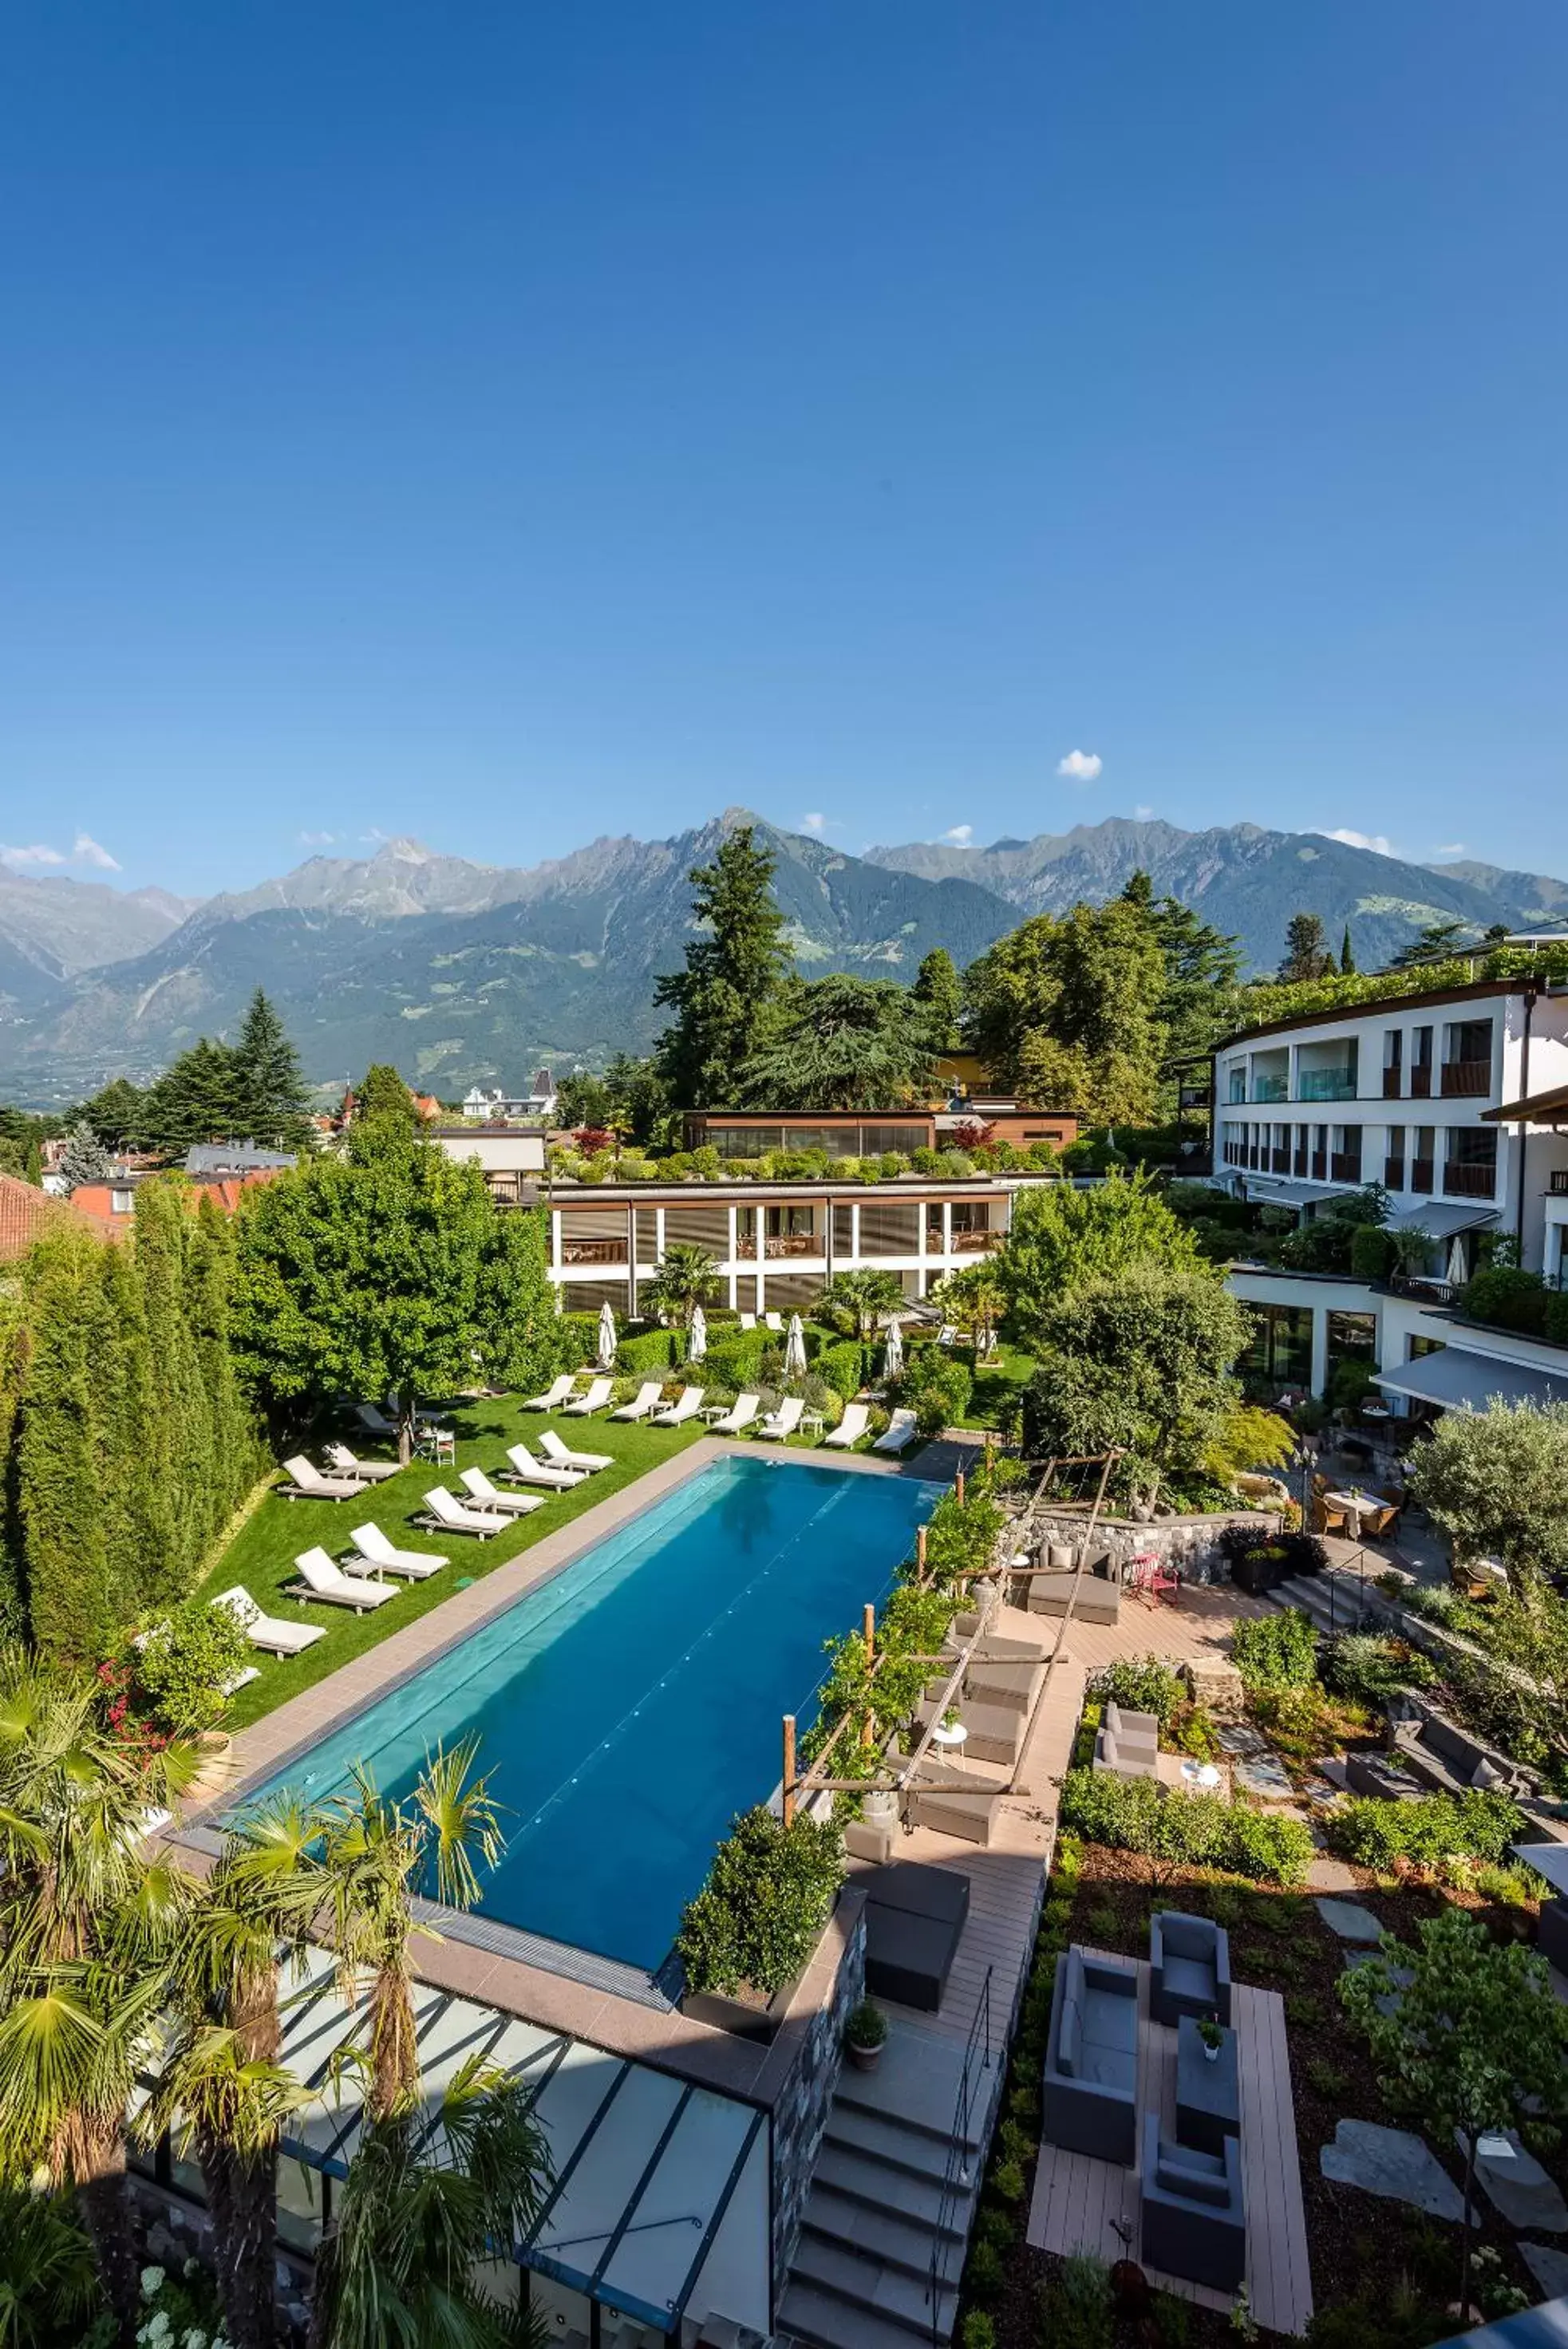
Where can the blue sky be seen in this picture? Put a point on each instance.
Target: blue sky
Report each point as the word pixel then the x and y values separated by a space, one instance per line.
pixel 507 424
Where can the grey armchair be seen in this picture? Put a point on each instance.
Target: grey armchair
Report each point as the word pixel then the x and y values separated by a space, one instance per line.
pixel 1089 2091
pixel 1190 1968
pixel 1194 2212
pixel 1127 1760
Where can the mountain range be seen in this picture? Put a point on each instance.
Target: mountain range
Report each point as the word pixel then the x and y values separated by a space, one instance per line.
pixel 460 972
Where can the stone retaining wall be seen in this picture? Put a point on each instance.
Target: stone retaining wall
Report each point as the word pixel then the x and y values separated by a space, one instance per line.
pixel 801 2100
pixel 1192 1543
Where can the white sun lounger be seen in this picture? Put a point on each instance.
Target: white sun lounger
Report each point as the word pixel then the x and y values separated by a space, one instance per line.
pixel 644 1401
pixel 561 1455
pixel 341 1461
pixel 738 1416
pixel 851 1427
pixel 899 1433
pixel 484 1494
pixel 598 1395
pixel 774 1321
pixel 321 1577
pixel 687 1405
pixel 556 1392
pixel 271 1633
pixel 526 1470
pixel 310 1485
pixel 374 1553
pixel 447 1515
pixel 783 1422
pixel 748 1320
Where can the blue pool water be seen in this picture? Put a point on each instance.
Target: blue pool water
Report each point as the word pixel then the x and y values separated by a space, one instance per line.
pixel 629 1707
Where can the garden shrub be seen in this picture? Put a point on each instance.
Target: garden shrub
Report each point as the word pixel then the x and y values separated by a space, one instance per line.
pixel 1475 1825
pixel 960 1540
pixel 1276 1650
pixel 1299 1553
pixel 183 1664
pixel 650 1354
pixel 1354 1380
pixel 1374 1252
pixel 577 1340
pixel 1198 1830
pixel 935 1388
pixel 979 2332
pixel 1508 1298
pixel 842 1366
pixel 1141 1684
pixel 769 1893
pixel 1369 1669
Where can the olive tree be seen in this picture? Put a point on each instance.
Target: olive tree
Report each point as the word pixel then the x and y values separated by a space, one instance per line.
pixel 1497 1483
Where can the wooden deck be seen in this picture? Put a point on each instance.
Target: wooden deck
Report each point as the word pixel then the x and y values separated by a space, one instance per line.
pixel 1081 2204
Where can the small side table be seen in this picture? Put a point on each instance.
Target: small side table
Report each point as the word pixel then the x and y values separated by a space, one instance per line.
pixel 712 1412
pixel 952 1741
pixel 811 1423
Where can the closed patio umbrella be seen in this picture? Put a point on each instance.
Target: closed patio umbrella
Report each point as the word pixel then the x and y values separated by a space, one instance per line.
pixel 607 1337
pixel 698 1345
pixel 893 1360
pixel 795 1348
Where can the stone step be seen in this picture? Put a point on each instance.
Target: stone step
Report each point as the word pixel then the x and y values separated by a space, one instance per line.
pixel 885 2232
pixel 820 2320
pixel 916 2085
pixel 864 2179
pixel 917 2151
pixel 866 2282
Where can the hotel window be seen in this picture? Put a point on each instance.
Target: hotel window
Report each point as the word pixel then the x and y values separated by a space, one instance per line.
pixel 1469 1163
pixel 1422 1140
pixel 1394 1160
pixel 121 1202
pixel 1420 1064
pixel 1393 1059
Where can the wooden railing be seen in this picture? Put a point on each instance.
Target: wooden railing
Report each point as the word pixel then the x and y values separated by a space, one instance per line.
pixel 593 1251
pixel 1466 1080
pixel 1470 1182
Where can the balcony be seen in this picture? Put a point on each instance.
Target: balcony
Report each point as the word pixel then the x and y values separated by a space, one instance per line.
pixel 1320 1166
pixel 975 1242
pixel 593 1251
pixel 794 1244
pixel 1470 1182
pixel 1392 1174
pixel 1391 1082
pixel 1280 1162
pixel 1345 1166
pixel 1421 1175
pixel 1326 1085
pixel 1421 1082
pixel 1466 1080
pixel 1270 1088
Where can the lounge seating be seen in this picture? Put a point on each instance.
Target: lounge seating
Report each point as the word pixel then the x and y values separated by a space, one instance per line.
pixel 851 1427
pixel 321 1577
pixel 1190 1968
pixel 643 1403
pixel 381 1556
pixel 1194 2211
pixel 995 1732
pixel 774 1321
pixel 1089 2092
pixel 748 1320
pixel 269 1633
pixel 914 1923
pixel 555 1394
pixel 308 1484
pixel 1448 1760
pixel 232 1683
pixel 527 1470
pixel 599 1394
pixel 561 1455
pixel 687 1405
pixel 1125 1760
pixel 1007 1684
pixel 951 1802
pixel 341 1461
pixel 445 1514
pixel 782 1424
pixel 1098 1595
pixel 371 1417
pixel 898 1435
pixel 738 1416
pixel 482 1494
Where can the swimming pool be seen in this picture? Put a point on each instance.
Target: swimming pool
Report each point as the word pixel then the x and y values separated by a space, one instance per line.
pixel 627 1708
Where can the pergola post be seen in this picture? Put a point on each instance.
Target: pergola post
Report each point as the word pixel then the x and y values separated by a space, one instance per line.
pixel 789 1769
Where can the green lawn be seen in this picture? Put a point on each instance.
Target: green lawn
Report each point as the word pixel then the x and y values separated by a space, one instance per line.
pixel 999 1380
pixel 262 1554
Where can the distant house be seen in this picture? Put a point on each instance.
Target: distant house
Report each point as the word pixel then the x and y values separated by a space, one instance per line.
pixel 510 1155
pixel 26 1213
pixel 495 1106
pixel 235 1158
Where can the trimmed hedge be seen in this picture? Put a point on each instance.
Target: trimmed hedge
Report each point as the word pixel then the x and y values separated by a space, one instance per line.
pixel 770 1891
pixel 1476 1825
pixel 841 1366
pixel 1199 1830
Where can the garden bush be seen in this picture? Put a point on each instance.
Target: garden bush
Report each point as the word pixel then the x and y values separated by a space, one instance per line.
pixel 577 1340
pixel 1369 1669
pixel 1507 1297
pixel 1298 1553
pixel 1276 1650
pixel 1141 1684
pixel 769 1893
pixel 842 1366
pixel 1475 1825
pixel 650 1354
pixel 935 1388
pixel 1180 1828
pixel 183 1664
pixel 1374 1252
pixel 960 1540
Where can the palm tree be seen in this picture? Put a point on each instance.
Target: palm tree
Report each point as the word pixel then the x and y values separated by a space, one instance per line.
pixel 974 1298
pixel 378 1856
pixel 860 1298
pixel 683 1278
pixel 411 2231
pixel 48 2283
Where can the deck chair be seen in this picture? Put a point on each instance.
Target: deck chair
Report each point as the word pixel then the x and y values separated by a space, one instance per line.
pixel 783 1422
pixel 687 1405
pixel 378 1554
pixel 598 1395
pixel 320 1577
pixel 644 1401
pixel 271 1633
pixel 738 1416
pixel 553 1394
pixel 482 1494
pixel 525 1470
pixel 748 1320
pixel 857 1419
pixel 309 1483
pixel 372 1417
pixel 561 1455
pixel 899 1433
pixel 773 1322
pixel 445 1514
pixel 341 1461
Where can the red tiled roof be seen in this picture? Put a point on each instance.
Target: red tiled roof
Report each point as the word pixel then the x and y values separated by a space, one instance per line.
pixel 26 1213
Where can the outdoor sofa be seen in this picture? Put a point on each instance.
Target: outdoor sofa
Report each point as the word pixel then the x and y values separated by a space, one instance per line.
pixel 1190 1967
pixel 1089 2092
pixel 1127 1743
pixel 1099 1592
pixel 1194 2211
pixel 1445 1758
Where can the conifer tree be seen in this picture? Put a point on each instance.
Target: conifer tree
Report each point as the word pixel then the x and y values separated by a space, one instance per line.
pixel 381 1093
pixel 179 1439
pixel 212 1263
pixel 78 1594
pixel 195 1100
pixel 938 996
pixel 1346 958
pixel 270 1100
pixel 734 973
pixel 84 1159
pixel 139 1510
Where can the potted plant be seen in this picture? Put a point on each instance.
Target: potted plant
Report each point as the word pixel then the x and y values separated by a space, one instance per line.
pixel 865 2035
pixel 1213 2036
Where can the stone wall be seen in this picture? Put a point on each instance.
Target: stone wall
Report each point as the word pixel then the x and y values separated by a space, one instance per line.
pixel 1190 1542
pixel 808 2053
pixel 176 2229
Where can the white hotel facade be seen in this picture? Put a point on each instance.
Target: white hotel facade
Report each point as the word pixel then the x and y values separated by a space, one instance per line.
pixel 1456 1103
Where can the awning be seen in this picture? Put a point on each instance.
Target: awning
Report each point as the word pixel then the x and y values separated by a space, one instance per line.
pixel 1442 1217
pixel 1458 1379
pixel 1535 1109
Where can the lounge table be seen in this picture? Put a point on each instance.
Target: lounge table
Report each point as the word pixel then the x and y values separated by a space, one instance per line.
pixel 1208 2094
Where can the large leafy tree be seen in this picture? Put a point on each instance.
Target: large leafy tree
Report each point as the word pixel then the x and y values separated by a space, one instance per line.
pixel 1062 1237
pixel 839 1043
pixel 381 1093
pixel 390 1270
pixel 1497 1483
pixel 1067 1009
pixel 270 1098
pixel 733 971
pixel 638 1103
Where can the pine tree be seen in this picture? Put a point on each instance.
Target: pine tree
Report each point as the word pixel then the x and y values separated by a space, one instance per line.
pixel 732 974
pixel 113 1112
pixel 1306 956
pixel 1346 958
pixel 195 1099
pixel 938 995
pixel 84 1159
pixel 271 1102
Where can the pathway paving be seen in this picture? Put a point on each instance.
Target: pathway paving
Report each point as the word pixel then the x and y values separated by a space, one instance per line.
pixel 1518 2188
pixel 1349 1920
pixel 1394 2164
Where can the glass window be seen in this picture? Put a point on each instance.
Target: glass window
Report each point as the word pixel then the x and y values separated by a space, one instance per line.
pixel 1281 1347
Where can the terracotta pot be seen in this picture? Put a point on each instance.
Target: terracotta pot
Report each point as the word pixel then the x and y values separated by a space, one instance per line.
pixel 865 2059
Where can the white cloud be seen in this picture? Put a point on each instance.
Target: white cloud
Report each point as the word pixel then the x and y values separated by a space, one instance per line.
pixel 86 850
pixel 38 854
pixel 318 839
pixel 813 822
pixel 1142 814
pixel 961 836
pixel 1377 842
pixel 1451 848
pixel 1080 766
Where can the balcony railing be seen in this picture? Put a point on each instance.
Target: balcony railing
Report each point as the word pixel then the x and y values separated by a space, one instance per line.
pixel 1421 1081
pixel 1345 1166
pixel 1420 1174
pixel 593 1251
pixel 1320 1166
pixel 1557 1182
pixel 1466 1080
pixel 1326 1085
pixel 1392 1174
pixel 1470 1182
pixel 795 1244
pixel 1270 1088
pixel 1391 1080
